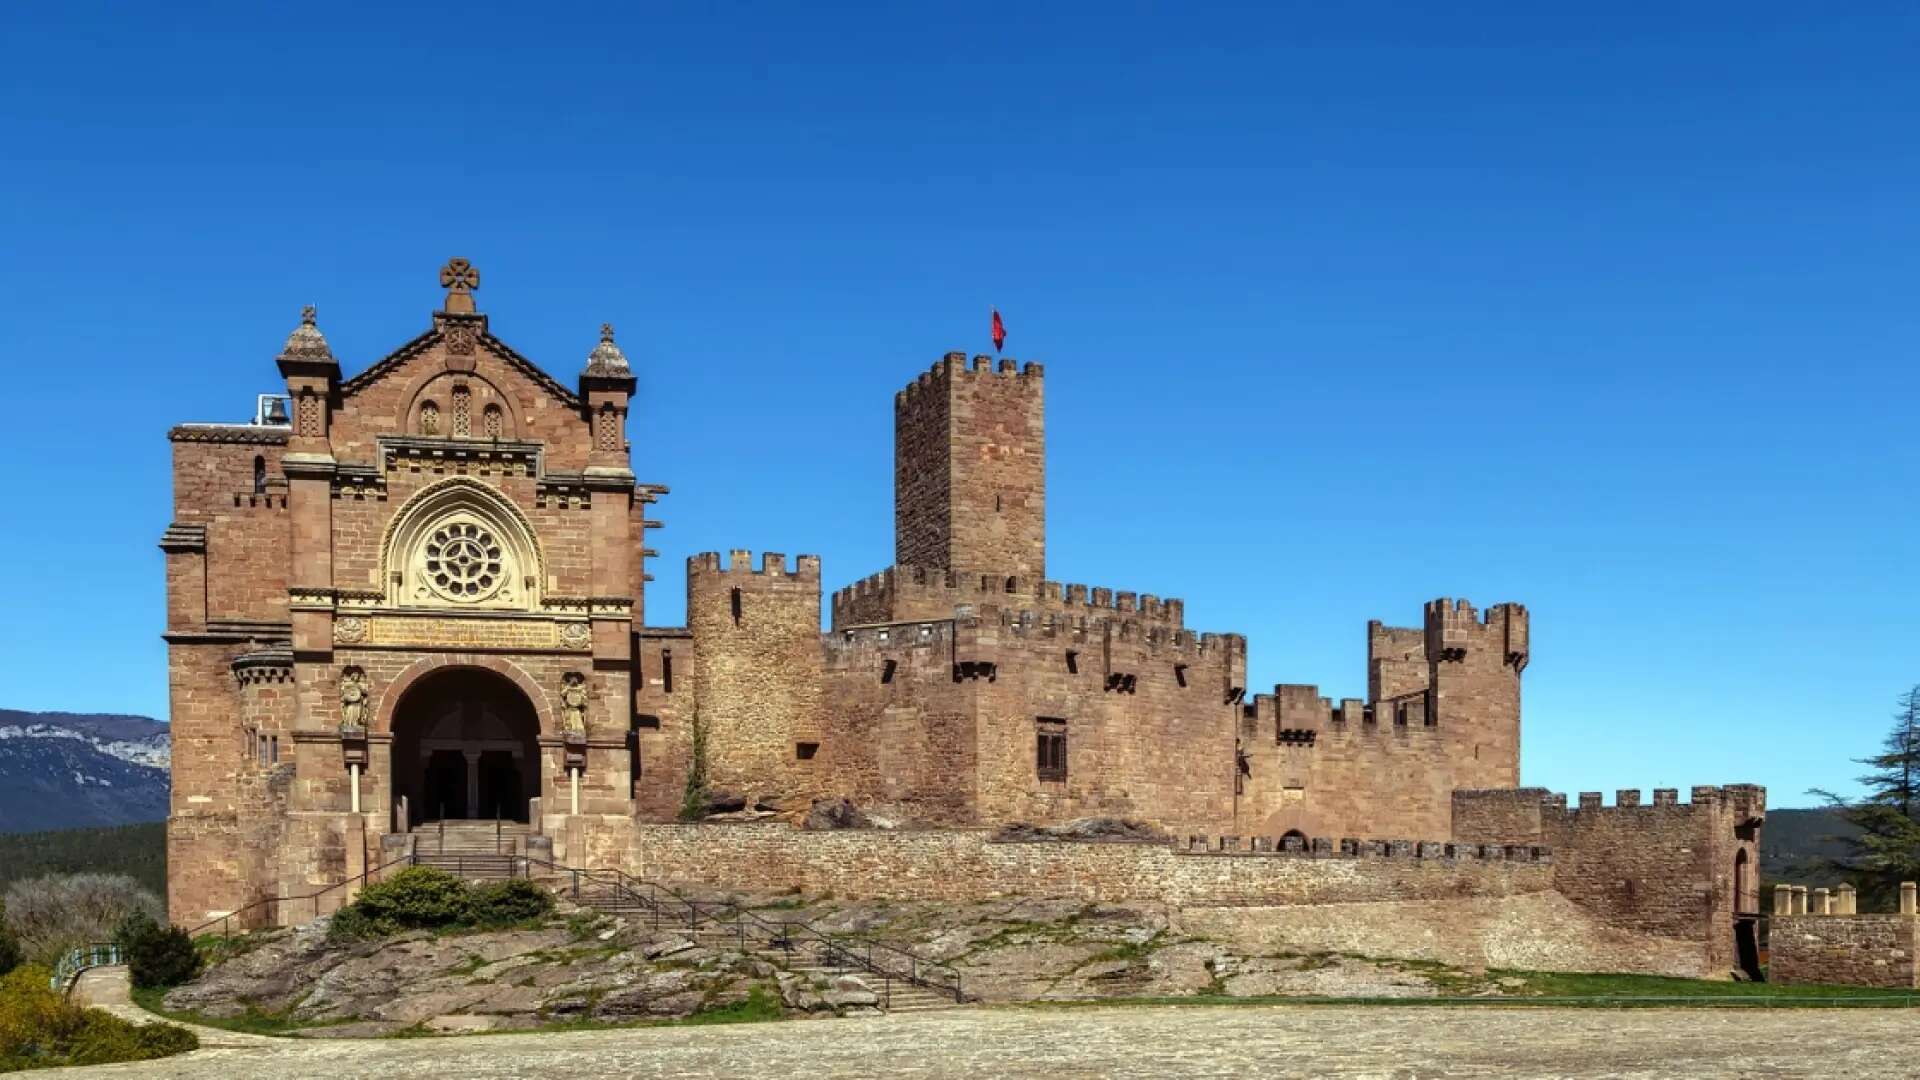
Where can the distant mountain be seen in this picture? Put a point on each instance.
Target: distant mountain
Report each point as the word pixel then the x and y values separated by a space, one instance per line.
pixel 1796 844
pixel 69 770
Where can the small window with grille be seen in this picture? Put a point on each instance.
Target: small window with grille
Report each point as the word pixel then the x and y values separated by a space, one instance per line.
pixel 1050 748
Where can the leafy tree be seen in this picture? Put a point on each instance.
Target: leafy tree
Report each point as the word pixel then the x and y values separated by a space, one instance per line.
pixel 54 913
pixel 156 955
pixel 1887 850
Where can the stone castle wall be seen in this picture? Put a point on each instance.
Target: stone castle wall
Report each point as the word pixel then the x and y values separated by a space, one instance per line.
pixel 1845 950
pixel 1672 869
pixel 965 864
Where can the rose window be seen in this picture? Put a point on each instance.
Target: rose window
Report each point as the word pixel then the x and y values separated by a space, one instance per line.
pixel 463 561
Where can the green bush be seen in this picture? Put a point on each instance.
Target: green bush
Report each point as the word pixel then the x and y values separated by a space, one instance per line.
pixel 419 896
pixel 42 1029
pixel 352 924
pixel 156 955
pixel 423 897
pixel 504 903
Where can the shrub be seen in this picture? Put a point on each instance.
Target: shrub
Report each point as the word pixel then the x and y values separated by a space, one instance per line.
pixel 352 924
pixel 156 955
pixel 504 903
pixel 54 913
pixel 423 897
pixel 419 896
pixel 41 1029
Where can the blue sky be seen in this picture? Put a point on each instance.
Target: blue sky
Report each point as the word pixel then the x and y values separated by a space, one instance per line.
pixel 1614 314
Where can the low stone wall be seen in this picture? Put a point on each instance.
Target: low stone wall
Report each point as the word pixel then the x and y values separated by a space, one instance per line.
pixel 1541 931
pixel 1845 950
pixel 964 864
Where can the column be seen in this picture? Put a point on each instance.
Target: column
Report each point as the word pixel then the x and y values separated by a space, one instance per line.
pixel 1783 899
pixel 1908 905
pixel 1822 902
pixel 473 782
pixel 1847 901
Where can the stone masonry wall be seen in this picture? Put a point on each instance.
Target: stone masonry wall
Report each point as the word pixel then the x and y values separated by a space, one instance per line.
pixel 1673 869
pixel 757 664
pixel 955 864
pixel 1845 950
pixel 900 736
pixel 664 696
pixel 970 468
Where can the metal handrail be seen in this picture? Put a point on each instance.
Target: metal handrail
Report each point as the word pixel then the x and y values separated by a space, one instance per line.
pixel 225 922
pixel 843 950
pixel 78 959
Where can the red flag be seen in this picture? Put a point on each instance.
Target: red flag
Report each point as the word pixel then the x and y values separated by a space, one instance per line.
pixel 999 331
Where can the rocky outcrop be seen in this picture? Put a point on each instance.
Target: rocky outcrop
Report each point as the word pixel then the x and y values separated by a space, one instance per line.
pixel 588 968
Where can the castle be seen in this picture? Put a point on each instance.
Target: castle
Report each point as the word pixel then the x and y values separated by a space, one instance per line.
pixel 416 595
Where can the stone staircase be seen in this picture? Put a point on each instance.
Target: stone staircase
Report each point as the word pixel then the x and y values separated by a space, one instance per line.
pixel 476 850
pixel 894 995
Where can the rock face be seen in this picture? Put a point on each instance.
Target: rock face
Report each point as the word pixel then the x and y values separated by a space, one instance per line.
pixel 477 981
pixel 602 968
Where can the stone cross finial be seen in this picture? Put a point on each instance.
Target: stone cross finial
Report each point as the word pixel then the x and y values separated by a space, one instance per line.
pixel 307 315
pixel 459 278
pixel 606 331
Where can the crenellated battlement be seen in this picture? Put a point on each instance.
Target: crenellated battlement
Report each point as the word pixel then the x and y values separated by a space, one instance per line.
pixel 849 643
pixel 899 590
pixel 1455 631
pixel 953 368
pixel 1069 625
pixel 1320 847
pixel 773 564
pixel 1737 797
pixel 1302 708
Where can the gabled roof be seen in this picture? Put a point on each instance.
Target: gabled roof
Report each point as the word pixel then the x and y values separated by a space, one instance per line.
pixel 400 356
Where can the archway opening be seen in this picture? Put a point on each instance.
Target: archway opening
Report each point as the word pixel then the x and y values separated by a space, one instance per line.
pixel 465 747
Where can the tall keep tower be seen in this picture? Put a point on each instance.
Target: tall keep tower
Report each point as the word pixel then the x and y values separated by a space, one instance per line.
pixel 969 462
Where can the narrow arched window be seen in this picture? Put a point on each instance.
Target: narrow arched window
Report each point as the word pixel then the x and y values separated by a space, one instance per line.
pixel 259 475
pixel 493 421
pixel 429 418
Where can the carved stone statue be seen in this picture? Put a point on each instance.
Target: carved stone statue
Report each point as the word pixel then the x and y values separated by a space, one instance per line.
pixel 573 701
pixel 353 699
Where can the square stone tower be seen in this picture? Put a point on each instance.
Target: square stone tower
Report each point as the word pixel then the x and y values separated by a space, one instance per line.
pixel 969 459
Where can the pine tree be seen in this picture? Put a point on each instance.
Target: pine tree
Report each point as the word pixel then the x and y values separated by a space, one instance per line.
pixel 1887 850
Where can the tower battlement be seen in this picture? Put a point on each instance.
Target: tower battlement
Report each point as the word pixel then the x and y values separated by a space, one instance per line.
pixel 969 457
pixel 954 366
pixel 908 592
pixel 1456 631
pixel 773 564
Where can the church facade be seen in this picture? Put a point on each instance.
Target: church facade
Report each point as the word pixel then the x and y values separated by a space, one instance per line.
pixel 416 595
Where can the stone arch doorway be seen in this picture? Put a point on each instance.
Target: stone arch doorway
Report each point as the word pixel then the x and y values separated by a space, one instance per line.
pixel 465 747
